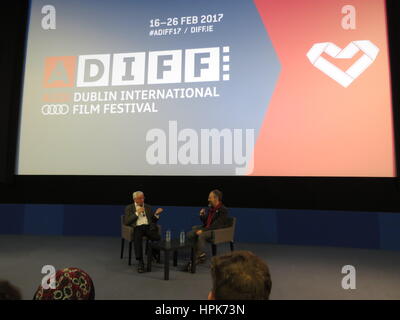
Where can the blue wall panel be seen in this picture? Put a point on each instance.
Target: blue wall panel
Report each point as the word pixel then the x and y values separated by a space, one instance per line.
pixel 97 220
pixel 255 225
pixel 376 230
pixel 11 219
pixel 327 228
pixel 390 231
pixel 43 219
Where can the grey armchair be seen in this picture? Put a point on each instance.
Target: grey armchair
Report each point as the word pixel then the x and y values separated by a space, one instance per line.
pixel 224 235
pixel 127 234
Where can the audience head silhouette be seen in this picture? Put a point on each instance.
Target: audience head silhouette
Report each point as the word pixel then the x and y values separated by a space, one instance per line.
pixel 240 275
pixel 8 291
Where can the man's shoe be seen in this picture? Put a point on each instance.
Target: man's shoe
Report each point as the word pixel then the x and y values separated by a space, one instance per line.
pixel 201 258
pixel 140 267
pixel 187 267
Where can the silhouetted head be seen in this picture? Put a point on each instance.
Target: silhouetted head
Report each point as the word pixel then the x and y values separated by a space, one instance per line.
pixel 240 275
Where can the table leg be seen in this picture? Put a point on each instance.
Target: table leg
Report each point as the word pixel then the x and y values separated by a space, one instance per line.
pixel 149 256
pixel 166 265
pixel 193 258
pixel 175 258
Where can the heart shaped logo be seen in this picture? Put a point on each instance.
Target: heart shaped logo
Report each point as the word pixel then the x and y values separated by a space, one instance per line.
pixel 345 78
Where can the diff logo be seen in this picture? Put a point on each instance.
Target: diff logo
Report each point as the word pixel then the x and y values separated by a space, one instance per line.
pixel 59 72
pixel 126 69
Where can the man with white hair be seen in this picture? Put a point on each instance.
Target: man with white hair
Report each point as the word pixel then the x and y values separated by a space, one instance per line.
pixel 143 219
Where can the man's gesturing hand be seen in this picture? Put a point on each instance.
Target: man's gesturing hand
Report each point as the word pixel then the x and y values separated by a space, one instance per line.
pixel 159 210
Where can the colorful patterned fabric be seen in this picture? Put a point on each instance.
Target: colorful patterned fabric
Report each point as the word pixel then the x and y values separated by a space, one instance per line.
pixel 71 284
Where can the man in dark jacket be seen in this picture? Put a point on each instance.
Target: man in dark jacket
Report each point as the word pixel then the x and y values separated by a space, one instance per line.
pixel 215 217
pixel 143 219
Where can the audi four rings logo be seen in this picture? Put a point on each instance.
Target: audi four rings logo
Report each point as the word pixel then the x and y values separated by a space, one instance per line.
pixel 55 109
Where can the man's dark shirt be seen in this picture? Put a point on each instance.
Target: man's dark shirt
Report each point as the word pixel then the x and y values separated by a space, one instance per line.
pixel 219 219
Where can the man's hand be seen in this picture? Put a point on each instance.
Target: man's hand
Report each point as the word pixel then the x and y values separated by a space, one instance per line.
pixel 159 210
pixel 199 232
pixel 140 210
pixel 202 212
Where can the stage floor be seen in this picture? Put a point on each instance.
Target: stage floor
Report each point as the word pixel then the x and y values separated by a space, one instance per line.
pixel 298 272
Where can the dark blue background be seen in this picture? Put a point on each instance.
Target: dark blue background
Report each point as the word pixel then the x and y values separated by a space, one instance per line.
pixel 372 230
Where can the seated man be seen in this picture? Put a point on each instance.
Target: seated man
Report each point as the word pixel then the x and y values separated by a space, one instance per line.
pixel 239 275
pixel 214 218
pixel 144 221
